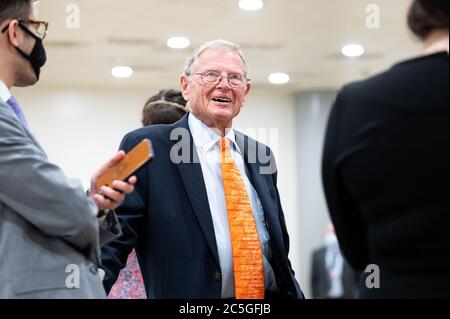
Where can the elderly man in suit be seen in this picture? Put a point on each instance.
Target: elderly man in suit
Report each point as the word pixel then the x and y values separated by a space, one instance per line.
pixel 50 230
pixel 206 218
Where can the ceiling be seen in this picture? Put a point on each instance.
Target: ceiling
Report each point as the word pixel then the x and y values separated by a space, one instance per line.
pixel 300 37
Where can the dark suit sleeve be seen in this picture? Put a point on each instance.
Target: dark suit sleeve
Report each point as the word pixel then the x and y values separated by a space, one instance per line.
pixel 344 212
pixel 131 215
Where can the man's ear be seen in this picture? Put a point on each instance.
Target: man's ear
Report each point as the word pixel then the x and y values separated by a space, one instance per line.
pixel 184 84
pixel 14 36
pixel 246 91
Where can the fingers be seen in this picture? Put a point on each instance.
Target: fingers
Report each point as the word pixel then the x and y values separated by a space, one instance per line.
pixel 113 161
pixel 132 180
pixel 108 199
pixel 104 203
pixel 123 187
pixel 111 198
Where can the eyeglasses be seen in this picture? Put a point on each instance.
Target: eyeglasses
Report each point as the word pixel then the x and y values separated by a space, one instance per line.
pixel 213 78
pixel 41 27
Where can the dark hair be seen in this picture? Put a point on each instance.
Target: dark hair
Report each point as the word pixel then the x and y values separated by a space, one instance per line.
pixel 168 95
pixel 426 16
pixel 165 107
pixel 15 9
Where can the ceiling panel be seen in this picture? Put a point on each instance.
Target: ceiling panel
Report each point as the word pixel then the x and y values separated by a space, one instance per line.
pixel 300 37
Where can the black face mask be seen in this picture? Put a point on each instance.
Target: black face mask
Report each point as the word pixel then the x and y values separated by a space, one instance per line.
pixel 38 56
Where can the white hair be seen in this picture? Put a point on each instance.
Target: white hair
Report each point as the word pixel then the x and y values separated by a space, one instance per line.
pixel 226 46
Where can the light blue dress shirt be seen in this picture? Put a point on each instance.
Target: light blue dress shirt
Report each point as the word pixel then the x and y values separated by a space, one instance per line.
pixel 334 264
pixel 206 141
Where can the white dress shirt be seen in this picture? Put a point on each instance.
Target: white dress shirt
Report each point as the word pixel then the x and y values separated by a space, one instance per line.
pixel 5 95
pixel 206 141
pixel 334 264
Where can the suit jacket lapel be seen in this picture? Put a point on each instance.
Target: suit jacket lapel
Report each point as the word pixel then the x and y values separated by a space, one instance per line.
pixel 192 177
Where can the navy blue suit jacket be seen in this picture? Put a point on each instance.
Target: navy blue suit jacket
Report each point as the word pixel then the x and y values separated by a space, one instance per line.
pixel 168 220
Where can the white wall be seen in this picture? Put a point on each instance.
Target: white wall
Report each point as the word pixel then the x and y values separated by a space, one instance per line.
pixel 81 129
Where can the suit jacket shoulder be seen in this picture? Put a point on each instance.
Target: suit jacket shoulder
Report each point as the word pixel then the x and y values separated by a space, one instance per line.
pixel 419 84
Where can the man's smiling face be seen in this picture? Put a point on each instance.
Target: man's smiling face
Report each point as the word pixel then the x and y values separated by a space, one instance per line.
pixel 216 105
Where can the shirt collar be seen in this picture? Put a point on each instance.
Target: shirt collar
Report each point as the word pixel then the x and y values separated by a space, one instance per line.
pixel 5 95
pixel 205 137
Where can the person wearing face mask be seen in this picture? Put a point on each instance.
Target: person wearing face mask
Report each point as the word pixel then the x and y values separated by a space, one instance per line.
pixel 37 57
pixel 331 275
pixel 386 168
pixel 50 229
pixel 206 218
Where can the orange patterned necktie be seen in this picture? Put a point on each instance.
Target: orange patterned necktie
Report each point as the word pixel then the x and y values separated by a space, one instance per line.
pixel 247 254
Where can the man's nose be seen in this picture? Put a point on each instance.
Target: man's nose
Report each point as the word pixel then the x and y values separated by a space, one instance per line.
pixel 223 83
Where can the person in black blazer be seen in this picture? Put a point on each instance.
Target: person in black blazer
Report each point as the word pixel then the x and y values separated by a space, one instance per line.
pixel 173 219
pixel 386 170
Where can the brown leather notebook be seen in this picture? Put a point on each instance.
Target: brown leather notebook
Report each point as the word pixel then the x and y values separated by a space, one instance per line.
pixel 134 159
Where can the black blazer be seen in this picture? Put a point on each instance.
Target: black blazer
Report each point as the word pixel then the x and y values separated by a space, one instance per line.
pixel 168 220
pixel 386 177
pixel 320 278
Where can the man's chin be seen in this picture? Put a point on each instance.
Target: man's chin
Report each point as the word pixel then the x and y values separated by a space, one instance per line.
pixel 26 82
pixel 222 115
pixel 26 78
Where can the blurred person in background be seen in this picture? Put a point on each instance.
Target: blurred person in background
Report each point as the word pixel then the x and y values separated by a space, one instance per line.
pixel 386 168
pixel 331 275
pixel 165 107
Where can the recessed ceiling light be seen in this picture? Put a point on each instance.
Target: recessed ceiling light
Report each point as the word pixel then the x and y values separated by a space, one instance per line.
pixel 279 78
pixel 251 5
pixel 122 72
pixel 352 50
pixel 178 42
